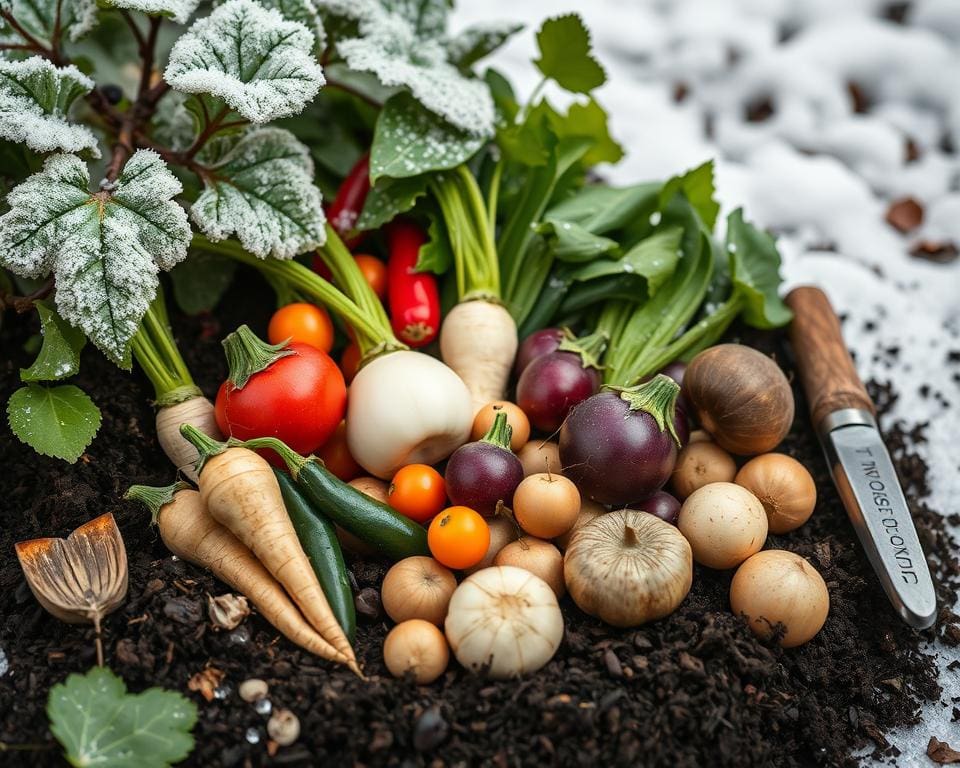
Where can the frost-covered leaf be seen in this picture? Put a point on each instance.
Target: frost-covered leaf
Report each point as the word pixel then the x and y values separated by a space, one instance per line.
pixel 409 140
pixel 175 124
pixel 35 98
pixel 100 724
pixel 178 10
pixel 478 41
pixel 39 19
pixel 428 18
pixel 251 57
pixel 565 54
pixel 304 11
pixel 262 190
pixel 55 421
pixel 390 198
pixel 391 49
pixel 59 356
pixel 105 248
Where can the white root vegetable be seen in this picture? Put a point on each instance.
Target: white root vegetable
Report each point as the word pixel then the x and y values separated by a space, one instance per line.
pixel 506 618
pixel 478 340
pixel 197 411
pixel 406 408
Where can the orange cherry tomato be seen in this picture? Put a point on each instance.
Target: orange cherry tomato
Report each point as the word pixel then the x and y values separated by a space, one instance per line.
pixel 458 537
pixel 350 361
pixel 375 272
pixel 306 323
pixel 336 457
pixel 417 491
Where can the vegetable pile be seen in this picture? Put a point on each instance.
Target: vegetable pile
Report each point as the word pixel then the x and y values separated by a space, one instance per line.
pixel 485 366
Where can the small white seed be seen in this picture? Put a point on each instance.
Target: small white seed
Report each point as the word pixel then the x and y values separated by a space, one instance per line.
pixel 253 689
pixel 283 727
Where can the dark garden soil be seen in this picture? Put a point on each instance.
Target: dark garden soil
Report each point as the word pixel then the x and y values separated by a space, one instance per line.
pixel 695 689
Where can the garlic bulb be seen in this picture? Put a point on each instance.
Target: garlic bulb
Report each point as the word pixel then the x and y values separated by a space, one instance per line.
pixel 506 618
pixel 628 567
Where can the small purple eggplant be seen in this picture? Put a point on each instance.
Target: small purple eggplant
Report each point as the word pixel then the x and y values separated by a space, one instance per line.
pixel 538 343
pixel 483 474
pixel 621 444
pixel 661 505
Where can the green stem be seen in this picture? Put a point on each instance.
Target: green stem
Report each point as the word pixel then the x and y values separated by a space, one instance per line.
pixel 206 446
pixel 522 115
pixel 658 397
pixel 493 196
pixel 247 354
pixel 155 498
pixel 589 348
pixel 156 352
pixel 500 432
pixel 294 461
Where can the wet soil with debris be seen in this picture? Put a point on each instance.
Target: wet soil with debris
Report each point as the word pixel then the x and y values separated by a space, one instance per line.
pixel 694 689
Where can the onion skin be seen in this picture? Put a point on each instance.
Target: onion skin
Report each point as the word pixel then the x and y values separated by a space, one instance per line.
pixel 538 343
pixel 628 567
pixel 700 464
pixel 784 487
pixel 416 646
pixel 417 588
pixel 546 505
pixel 540 456
pixel 778 587
pixel 553 384
pixel 589 511
pixel 724 523
pixel 741 397
pixel 539 557
pixel 615 455
pixel 502 532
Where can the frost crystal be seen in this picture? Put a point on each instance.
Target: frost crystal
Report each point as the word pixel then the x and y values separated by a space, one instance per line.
pixel 178 10
pixel 104 248
pixel 35 97
pixel 478 41
pixel 174 125
pixel 39 18
pixel 304 11
pixel 256 61
pixel 262 189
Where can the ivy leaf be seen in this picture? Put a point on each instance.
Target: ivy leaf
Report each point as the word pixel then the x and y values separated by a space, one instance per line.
pixel 261 189
pixel 59 356
pixel 178 10
pixel 479 41
pixel 105 248
pixel 35 98
pixel 55 421
pixel 409 140
pixel 200 281
pixel 755 271
pixel 565 54
pixel 100 724
pixel 390 198
pixel 39 19
pixel 250 57
pixel 303 11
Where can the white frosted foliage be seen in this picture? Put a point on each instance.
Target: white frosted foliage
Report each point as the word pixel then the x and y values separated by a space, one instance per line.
pixel 262 191
pixel 104 248
pixel 35 97
pixel 249 56
pixel 178 10
pixel 304 11
pixel 39 18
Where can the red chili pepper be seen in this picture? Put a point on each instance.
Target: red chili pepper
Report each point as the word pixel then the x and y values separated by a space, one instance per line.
pixel 413 296
pixel 345 209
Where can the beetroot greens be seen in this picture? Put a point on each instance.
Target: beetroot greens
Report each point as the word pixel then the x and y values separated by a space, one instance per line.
pixel 485 473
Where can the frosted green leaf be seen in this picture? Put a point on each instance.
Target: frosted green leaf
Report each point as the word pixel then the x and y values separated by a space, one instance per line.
pixel 478 41
pixel 100 724
pixel 409 140
pixel 261 189
pixel 54 421
pixel 304 11
pixel 35 99
pixel 174 124
pixel 250 57
pixel 59 356
pixel 427 17
pixel 105 248
pixel 178 10
pixel 39 18
pixel 390 198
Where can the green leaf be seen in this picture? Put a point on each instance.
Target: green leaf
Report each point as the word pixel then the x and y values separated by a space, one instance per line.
pixel 304 11
pixel 200 281
pixel 479 41
pixel 428 18
pixel 390 198
pixel 588 121
pixel 600 209
pixel 250 57
pixel 504 99
pixel 654 259
pixel 531 142
pixel 755 271
pixel 35 99
pixel 565 54
pixel 572 243
pixel 39 19
pixel 105 248
pixel 178 10
pixel 410 140
pixel 436 255
pixel 59 356
pixel 261 189
pixel 697 185
pixel 55 421
pixel 100 724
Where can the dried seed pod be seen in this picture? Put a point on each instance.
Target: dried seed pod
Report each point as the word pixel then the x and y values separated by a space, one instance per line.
pixel 227 611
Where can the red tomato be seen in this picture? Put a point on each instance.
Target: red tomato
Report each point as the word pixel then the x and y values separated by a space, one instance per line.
pixel 417 491
pixel 336 457
pixel 306 323
pixel 458 537
pixel 299 398
pixel 350 361
pixel 374 272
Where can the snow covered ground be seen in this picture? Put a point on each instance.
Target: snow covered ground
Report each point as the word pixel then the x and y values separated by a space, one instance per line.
pixel 814 169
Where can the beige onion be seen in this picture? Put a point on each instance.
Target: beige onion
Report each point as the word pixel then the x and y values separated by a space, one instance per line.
pixel 539 557
pixel 784 487
pixel 417 588
pixel 724 524
pixel 628 567
pixel 589 510
pixel 700 464
pixel 418 647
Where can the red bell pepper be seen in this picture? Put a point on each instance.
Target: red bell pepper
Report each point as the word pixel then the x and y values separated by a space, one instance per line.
pixel 345 209
pixel 413 297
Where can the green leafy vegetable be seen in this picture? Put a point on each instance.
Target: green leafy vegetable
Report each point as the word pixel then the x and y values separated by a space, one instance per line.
pixel 200 281
pixel 59 357
pixel 755 271
pixel 100 724
pixel 389 198
pixel 479 41
pixel 565 54
pixel 55 421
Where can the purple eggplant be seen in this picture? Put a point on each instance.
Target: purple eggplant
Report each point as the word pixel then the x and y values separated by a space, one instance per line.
pixel 554 383
pixel 621 444
pixel 538 343
pixel 661 505
pixel 482 474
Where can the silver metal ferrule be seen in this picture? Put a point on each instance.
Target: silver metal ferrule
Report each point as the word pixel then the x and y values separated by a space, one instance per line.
pixel 845 417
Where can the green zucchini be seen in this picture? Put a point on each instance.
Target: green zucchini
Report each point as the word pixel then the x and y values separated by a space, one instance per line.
pixel 318 538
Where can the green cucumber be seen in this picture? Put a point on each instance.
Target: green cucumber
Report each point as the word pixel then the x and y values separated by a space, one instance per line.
pixel 318 538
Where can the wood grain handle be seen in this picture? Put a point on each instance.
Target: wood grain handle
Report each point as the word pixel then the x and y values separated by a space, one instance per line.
pixel 826 368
